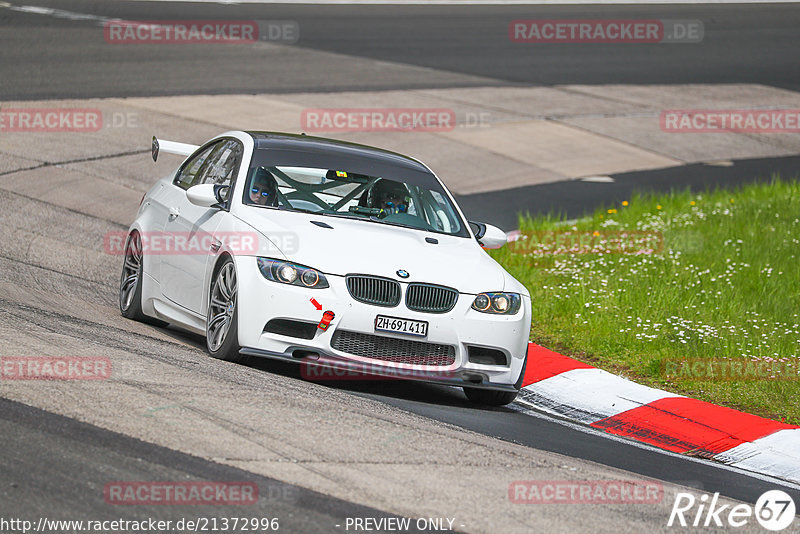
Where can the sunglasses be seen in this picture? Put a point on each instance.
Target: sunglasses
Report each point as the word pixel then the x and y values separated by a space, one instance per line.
pixel 400 206
pixel 257 190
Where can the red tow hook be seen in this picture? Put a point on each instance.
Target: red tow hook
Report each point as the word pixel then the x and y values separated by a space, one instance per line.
pixel 327 317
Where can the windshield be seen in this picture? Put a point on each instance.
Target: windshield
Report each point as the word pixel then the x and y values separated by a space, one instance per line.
pixel 336 192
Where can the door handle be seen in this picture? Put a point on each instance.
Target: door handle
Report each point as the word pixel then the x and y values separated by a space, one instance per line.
pixel 173 213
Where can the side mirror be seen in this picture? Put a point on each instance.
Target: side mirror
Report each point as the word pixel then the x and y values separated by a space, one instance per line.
pixel 207 195
pixel 488 236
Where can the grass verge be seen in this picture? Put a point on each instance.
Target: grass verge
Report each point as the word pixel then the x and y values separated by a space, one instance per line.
pixel 693 293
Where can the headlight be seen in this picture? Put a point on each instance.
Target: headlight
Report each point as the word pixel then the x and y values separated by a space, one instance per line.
pixel 497 303
pixel 310 278
pixel 482 302
pixel 291 273
pixel 287 273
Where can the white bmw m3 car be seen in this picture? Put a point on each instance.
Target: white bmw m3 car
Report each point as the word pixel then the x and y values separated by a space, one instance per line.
pixel 330 253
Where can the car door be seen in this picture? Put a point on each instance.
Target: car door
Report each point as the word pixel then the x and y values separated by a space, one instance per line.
pixel 191 228
pixel 164 201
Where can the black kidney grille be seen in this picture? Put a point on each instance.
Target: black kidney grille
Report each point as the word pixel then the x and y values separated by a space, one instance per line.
pixel 374 290
pixel 430 298
pixel 392 349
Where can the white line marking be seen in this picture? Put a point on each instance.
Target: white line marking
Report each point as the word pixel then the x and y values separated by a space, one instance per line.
pixel 598 179
pixel 57 13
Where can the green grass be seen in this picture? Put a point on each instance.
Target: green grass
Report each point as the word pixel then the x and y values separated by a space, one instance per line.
pixel 723 285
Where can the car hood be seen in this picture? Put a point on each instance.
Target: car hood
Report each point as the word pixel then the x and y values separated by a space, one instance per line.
pixel 365 247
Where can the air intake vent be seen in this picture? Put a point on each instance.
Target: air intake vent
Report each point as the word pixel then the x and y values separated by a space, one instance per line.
pixel 395 350
pixel 485 356
pixel 291 328
pixel 374 290
pixel 430 299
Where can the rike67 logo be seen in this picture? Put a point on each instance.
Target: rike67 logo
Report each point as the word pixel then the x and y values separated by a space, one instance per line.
pixel 774 510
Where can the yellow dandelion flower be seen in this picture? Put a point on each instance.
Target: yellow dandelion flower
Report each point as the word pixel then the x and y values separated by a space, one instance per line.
pixel 596 233
pixel 624 202
pixel 693 203
pixel 658 207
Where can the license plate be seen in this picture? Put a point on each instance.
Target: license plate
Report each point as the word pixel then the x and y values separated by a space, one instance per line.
pixel 401 326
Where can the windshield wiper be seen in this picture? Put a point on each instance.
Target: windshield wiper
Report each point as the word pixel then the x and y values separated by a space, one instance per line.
pixel 401 225
pixel 322 212
pixel 341 215
pixel 300 210
pixel 345 216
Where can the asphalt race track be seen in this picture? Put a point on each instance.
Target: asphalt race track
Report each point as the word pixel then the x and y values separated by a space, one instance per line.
pixel 576 198
pixel 43 448
pixel 455 46
pixel 319 452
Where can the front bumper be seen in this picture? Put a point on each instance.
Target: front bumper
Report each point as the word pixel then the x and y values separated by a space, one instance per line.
pixel 261 300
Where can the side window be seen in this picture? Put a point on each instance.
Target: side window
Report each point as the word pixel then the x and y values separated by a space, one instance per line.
pixel 188 175
pixel 223 164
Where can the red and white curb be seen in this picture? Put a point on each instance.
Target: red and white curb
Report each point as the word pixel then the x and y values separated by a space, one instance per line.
pixel 581 393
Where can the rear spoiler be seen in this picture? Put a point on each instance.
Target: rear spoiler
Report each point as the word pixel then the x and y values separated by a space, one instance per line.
pixel 171 147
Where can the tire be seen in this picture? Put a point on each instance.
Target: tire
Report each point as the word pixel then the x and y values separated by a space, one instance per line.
pixel 222 319
pixel 130 282
pixel 489 397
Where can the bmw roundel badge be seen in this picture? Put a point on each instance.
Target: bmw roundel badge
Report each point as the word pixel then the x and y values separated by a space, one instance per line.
pixel 403 274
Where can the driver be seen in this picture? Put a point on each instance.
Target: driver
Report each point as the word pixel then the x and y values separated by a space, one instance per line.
pixel 389 196
pixel 264 188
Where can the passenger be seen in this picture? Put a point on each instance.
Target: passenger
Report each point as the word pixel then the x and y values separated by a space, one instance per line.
pixel 264 188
